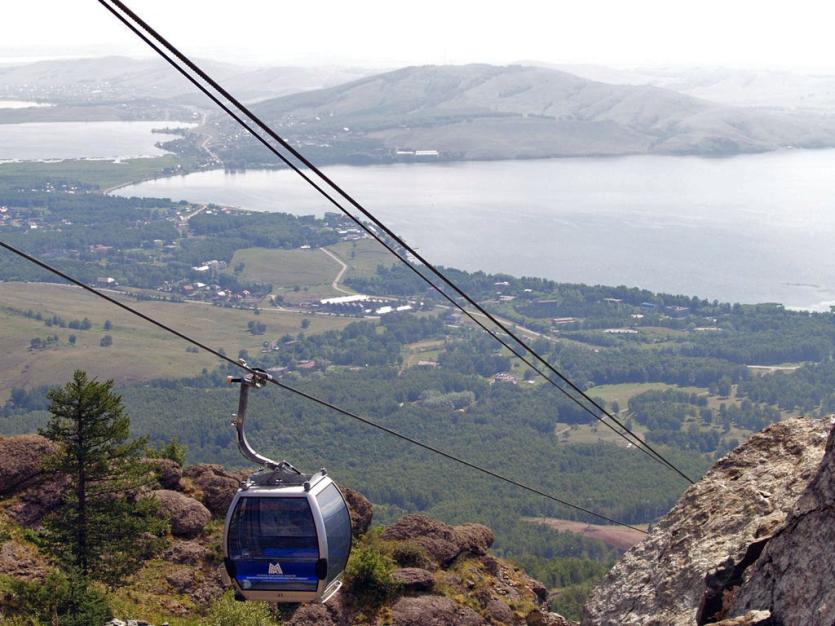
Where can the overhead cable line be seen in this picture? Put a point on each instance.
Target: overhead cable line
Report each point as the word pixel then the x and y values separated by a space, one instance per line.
pixel 309 396
pixel 625 433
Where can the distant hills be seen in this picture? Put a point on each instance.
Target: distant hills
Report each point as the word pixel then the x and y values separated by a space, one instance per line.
pixel 490 112
pixel 114 77
pixel 774 89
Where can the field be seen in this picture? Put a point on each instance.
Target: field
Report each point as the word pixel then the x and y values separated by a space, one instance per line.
pixel 105 174
pixel 362 257
pixel 295 274
pixel 139 351
pixel 618 537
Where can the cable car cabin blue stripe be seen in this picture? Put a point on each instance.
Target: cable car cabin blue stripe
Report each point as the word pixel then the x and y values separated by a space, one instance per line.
pixel 262 575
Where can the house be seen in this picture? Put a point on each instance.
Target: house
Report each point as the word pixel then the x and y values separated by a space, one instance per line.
pixel 505 377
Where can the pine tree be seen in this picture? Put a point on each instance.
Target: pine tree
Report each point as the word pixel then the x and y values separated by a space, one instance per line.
pixel 104 529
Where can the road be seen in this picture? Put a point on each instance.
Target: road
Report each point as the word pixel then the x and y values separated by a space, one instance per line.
pixel 335 283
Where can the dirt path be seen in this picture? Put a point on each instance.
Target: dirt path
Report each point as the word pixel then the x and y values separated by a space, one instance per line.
pixel 344 268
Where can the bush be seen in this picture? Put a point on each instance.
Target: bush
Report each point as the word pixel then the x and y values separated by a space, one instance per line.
pixel 173 451
pixel 226 611
pixel 368 574
pixel 60 600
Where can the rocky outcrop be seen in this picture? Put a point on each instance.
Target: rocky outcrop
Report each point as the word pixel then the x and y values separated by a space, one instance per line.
pixel 168 473
pixel 21 460
pixel 434 611
pixel 441 542
pixel 794 576
pixel 751 535
pixel 214 486
pixel 414 579
pixel 187 516
pixel 359 508
pixel 30 506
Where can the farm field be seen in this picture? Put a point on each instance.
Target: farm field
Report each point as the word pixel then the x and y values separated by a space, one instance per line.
pixel 618 537
pixel 297 275
pixel 138 351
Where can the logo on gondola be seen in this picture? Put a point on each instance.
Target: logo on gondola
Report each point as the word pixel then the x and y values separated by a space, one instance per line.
pixel 275 570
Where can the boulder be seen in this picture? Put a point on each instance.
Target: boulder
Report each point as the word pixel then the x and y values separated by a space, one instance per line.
pixel 21 460
pixel 694 558
pixel 433 611
pixel 188 517
pixel 474 539
pixel 751 618
pixel 185 552
pixel 217 486
pixel 360 509
pixel 499 613
pixel 168 473
pixel 794 576
pixel 35 502
pixel 311 615
pixel 414 579
pixel 441 542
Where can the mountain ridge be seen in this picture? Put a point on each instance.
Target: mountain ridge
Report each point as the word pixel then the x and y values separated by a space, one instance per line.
pixel 478 111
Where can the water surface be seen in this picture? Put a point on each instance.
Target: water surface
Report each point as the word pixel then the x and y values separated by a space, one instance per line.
pixel 82 140
pixel 752 228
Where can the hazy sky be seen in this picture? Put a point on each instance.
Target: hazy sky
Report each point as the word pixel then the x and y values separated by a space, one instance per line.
pixel 740 33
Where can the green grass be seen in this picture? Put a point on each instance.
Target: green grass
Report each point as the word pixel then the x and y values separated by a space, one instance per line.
pixel 311 271
pixel 623 392
pixel 367 255
pixel 105 174
pixel 139 351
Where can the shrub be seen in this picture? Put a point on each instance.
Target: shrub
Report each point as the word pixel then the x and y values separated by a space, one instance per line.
pixel 226 611
pixel 68 601
pixel 368 574
pixel 410 554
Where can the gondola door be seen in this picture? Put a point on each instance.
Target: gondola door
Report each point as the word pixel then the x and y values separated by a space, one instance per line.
pixel 274 547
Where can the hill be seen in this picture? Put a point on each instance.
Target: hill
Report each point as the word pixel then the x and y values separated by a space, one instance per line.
pixel 107 78
pixel 490 112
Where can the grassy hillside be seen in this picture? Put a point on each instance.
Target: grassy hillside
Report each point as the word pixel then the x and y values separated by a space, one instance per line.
pixel 490 112
pixel 139 351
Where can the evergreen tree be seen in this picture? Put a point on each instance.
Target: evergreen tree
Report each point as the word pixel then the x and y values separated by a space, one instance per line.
pixel 104 529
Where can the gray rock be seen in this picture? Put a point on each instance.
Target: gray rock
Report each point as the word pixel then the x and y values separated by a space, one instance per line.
pixel 188 517
pixel 682 567
pixel 168 473
pixel 217 485
pixel 185 552
pixel 37 501
pixel 794 577
pixel 434 611
pixel 499 613
pixel 21 460
pixel 441 542
pixel 360 510
pixel 414 579
pixel 751 618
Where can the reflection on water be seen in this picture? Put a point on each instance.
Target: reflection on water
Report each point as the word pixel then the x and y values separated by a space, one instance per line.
pixel 79 140
pixel 751 228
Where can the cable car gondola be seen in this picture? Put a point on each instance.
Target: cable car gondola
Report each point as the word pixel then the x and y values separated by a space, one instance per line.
pixel 287 535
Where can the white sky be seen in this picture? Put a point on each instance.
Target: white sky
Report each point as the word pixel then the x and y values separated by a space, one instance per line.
pixel 738 33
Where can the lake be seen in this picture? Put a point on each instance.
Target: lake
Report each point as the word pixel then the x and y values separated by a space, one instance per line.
pixel 751 228
pixel 22 104
pixel 82 140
